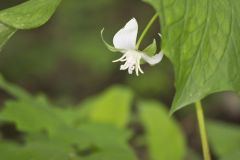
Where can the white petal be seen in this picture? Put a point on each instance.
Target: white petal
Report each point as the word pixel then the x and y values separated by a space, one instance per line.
pixel 126 37
pixel 154 59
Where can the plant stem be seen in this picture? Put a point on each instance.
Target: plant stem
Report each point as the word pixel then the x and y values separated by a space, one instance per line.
pixel 202 128
pixel 146 30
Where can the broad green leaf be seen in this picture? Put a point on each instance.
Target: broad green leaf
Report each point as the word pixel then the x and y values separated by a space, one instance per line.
pixel 232 156
pixel 30 114
pixel 30 14
pixel 41 150
pixel 202 40
pixel 42 123
pixel 98 141
pixel 164 138
pixel 30 117
pixel 98 136
pixel 112 155
pixel 112 107
pixel 33 119
pixel 193 155
pixel 76 115
pixel 224 138
pixel 73 116
pixel 108 137
pixel 70 143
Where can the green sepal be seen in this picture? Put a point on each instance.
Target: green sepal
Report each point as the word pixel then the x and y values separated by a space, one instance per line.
pixel 110 47
pixel 151 49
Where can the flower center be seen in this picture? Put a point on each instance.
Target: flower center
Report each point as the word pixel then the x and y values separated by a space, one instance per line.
pixel 132 62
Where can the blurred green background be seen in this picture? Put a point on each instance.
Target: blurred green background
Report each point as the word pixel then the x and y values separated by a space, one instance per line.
pixel 66 60
pixel 66 57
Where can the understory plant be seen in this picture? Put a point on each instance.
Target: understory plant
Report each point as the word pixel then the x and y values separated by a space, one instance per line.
pixel 202 40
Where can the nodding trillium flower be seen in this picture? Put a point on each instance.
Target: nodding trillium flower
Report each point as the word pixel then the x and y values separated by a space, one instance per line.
pixel 125 42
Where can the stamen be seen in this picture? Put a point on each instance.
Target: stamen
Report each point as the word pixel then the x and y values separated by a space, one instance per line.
pixel 130 69
pixel 138 66
pixel 132 62
pixel 136 71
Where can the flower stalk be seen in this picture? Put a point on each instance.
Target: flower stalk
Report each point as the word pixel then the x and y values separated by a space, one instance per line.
pixel 146 30
pixel 202 129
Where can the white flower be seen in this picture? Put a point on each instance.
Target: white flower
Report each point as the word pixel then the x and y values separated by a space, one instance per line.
pixel 125 42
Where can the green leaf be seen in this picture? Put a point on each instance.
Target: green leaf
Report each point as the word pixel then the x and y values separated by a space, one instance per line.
pixel 30 116
pixel 72 143
pixel 74 116
pixel 33 119
pixel 5 33
pixel 112 155
pixel 112 107
pixel 193 155
pixel 48 129
pixel 100 136
pixel 30 14
pixel 35 150
pixel 232 156
pixel 165 140
pixel 201 38
pixel 224 138
pixel 150 50
pixel 96 140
